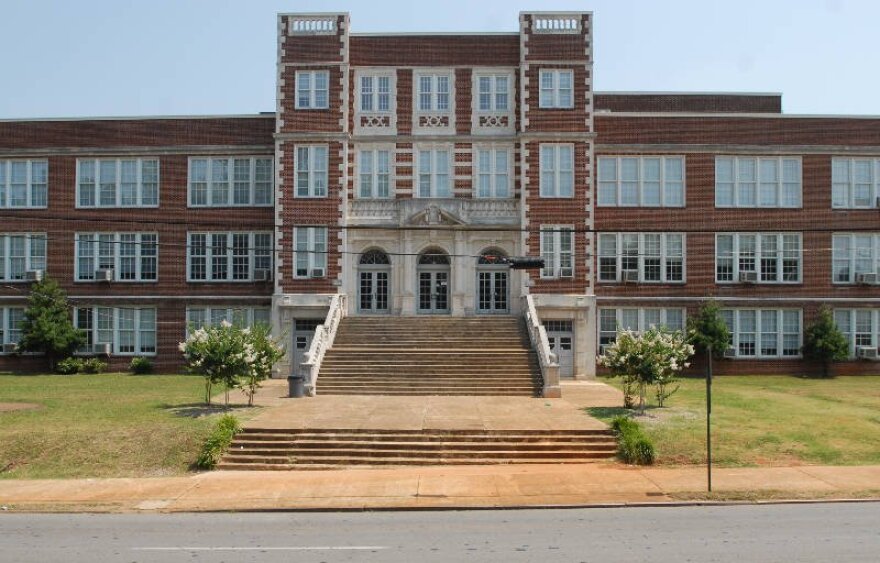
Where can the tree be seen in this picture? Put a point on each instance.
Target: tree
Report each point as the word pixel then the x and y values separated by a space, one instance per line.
pixel 47 327
pixel 707 330
pixel 266 353
pixel 824 342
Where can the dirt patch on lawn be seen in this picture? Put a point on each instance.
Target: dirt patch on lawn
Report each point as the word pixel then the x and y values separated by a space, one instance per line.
pixel 9 407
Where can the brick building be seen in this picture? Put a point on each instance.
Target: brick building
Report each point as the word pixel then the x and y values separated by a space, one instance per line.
pixel 397 168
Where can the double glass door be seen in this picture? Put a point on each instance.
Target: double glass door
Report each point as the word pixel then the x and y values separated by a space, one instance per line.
pixel 373 291
pixel 492 292
pixel 434 291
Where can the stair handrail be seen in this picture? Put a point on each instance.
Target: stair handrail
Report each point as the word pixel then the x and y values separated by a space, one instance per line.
pixel 325 335
pixel 547 360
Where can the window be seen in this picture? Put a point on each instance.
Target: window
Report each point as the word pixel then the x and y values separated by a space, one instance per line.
pixel 854 254
pixel 129 331
pixel 433 92
pixel 131 256
pixel 312 89
pixel 764 333
pixel 493 92
pixel 636 320
pixel 859 326
pixel 117 183
pixel 757 182
pixel 433 170
pixel 642 257
pixel 855 182
pixel 641 181
pixel 492 170
pixel 233 257
pixel 24 183
pixel 221 182
pixel 374 173
pixel 200 317
pixel 557 171
pixel 758 257
pixel 11 319
pixel 310 254
pixel 311 171
pixel 556 89
pixel 21 253
pixel 376 93
pixel 557 250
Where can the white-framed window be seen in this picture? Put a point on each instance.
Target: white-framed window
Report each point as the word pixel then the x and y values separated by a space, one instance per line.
pixel 374 172
pixel 310 252
pixel 492 171
pixel 557 250
pixel 21 253
pixel 854 254
pixel 133 257
pixel 556 89
pixel 202 317
pixel 230 181
pixel 227 256
pixel 24 183
pixel 434 171
pixel 637 320
pixel 11 319
pixel 117 182
pixel 129 331
pixel 557 170
pixel 641 181
pixel 310 170
pixel 860 326
pixel 312 89
pixel 758 257
pixel 746 181
pixel 642 257
pixel 492 92
pixel 764 333
pixel 434 92
pixel 376 93
pixel 855 182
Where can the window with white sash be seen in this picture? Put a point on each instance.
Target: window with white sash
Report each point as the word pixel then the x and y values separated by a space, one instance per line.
pixel 557 250
pixel 128 331
pixel 860 326
pixel 556 89
pixel 492 92
pixel 854 256
pixel 374 172
pixel 310 170
pixel 228 257
pixel 21 253
pixel 201 317
pixel 11 319
pixel 24 183
pixel 764 333
pixel 230 182
pixel 758 257
pixel 642 257
pixel 376 93
pixel 855 183
pixel 433 92
pixel 310 252
pixel 132 257
pixel 112 182
pixel 641 181
pixel 312 89
pixel 557 170
pixel 492 168
pixel 637 320
pixel 745 181
pixel 434 171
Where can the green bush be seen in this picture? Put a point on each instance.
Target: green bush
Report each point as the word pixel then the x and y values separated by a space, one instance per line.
pixel 633 445
pixel 93 365
pixel 69 366
pixel 218 442
pixel 140 365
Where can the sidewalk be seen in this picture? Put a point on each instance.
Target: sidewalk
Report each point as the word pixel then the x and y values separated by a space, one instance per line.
pixel 428 487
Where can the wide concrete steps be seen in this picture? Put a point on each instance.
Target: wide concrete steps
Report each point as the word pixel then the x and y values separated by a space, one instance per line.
pixel 284 449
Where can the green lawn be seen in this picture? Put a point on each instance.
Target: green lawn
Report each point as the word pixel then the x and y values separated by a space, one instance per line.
pixel 109 425
pixel 767 420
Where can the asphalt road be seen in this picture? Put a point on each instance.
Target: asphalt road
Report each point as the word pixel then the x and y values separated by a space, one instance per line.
pixel 800 532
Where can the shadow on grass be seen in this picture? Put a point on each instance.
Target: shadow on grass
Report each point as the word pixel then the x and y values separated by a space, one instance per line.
pixel 198 410
pixel 607 413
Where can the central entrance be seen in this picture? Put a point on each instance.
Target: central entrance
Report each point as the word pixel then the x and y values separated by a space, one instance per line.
pixel 433 282
pixel 492 283
pixel 374 273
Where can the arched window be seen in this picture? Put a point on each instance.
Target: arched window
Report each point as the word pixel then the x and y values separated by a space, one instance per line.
pixel 491 257
pixel 434 257
pixel 374 257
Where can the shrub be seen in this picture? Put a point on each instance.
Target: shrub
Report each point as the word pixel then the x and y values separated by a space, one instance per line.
pixel 140 365
pixel 69 366
pixel 93 365
pixel 823 341
pixel 218 441
pixel 633 445
pixel 47 327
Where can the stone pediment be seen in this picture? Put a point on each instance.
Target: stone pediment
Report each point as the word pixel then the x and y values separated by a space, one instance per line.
pixel 434 215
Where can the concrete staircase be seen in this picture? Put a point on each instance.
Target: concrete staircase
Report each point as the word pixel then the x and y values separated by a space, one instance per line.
pixel 430 356
pixel 286 449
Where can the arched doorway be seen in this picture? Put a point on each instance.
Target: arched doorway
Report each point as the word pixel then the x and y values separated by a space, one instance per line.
pixel 433 281
pixel 374 274
pixel 493 283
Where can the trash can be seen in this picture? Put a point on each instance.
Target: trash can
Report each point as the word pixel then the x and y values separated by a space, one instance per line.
pixel 296 386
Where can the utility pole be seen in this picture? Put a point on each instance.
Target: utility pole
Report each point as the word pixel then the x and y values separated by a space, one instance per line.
pixel 709 419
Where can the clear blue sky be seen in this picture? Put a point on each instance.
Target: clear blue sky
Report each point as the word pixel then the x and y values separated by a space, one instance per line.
pixel 120 57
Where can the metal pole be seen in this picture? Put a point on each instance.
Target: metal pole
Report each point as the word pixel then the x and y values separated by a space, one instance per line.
pixel 709 420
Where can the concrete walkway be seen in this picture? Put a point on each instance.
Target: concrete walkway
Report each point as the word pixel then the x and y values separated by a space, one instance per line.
pixel 426 487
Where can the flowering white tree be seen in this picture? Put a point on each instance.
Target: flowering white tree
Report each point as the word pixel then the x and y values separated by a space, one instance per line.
pixel 655 357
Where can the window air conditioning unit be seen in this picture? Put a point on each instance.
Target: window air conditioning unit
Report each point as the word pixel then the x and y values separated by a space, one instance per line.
pixel 262 275
pixel 10 348
pixel 317 273
pixel 102 349
pixel 866 352
pixel 631 276
pixel 104 274
pixel 34 275
pixel 730 353
pixel 866 279
pixel 748 277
